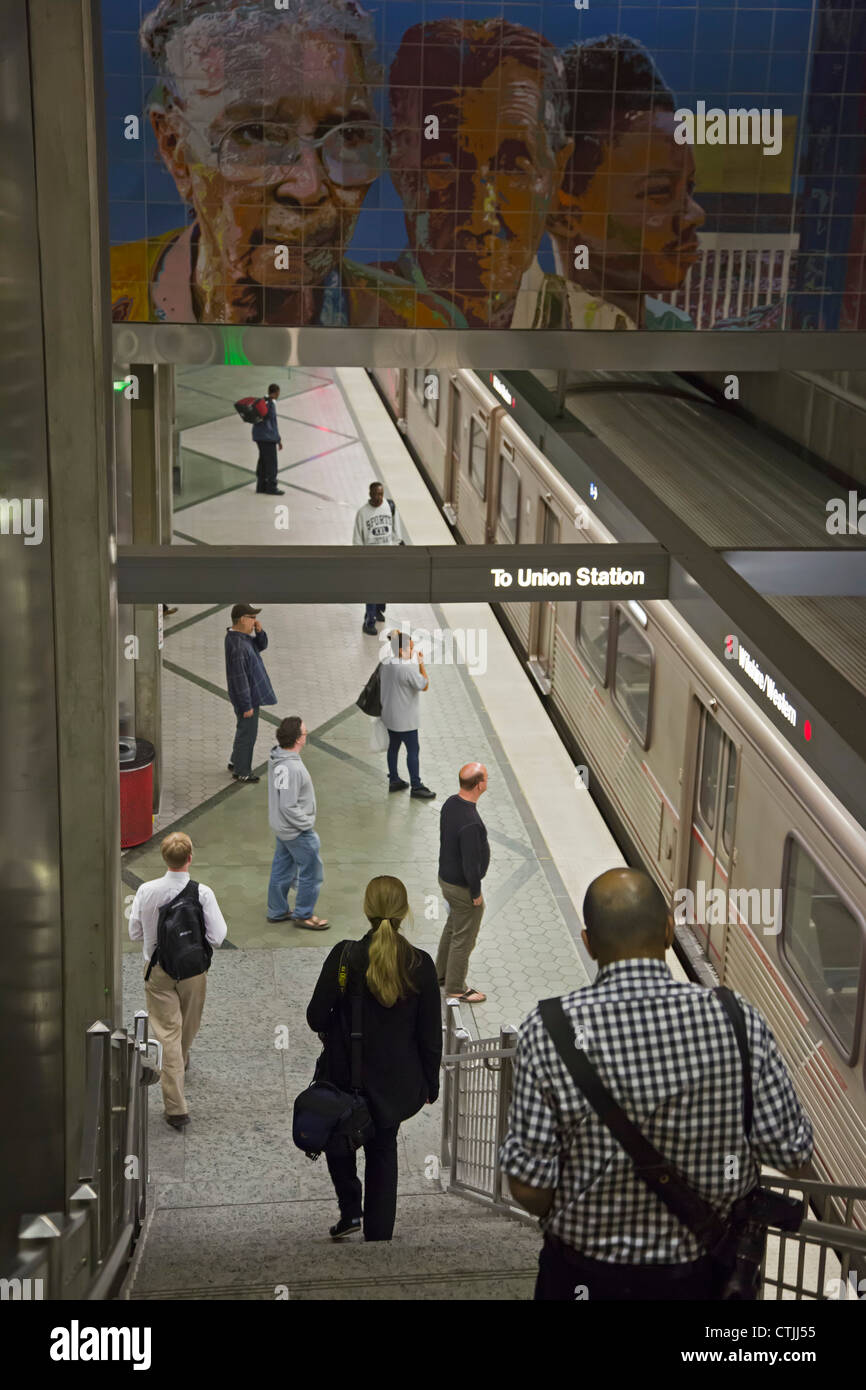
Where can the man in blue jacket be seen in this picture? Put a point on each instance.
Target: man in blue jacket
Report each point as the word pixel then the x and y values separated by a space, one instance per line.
pixel 266 433
pixel 248 685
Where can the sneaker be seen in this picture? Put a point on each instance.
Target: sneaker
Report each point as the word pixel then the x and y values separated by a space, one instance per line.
pixel 345 1228
pixel 250 777
pixel 398 786
pixel 177 1121
pixel 369 629
pixel 423 792
pixel 274 492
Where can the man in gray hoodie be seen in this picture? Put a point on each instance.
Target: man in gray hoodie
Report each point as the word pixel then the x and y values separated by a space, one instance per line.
pixel 292 815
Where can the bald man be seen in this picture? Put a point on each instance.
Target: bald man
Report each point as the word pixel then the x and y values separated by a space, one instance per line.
pixel 668 1054
pixel 464 858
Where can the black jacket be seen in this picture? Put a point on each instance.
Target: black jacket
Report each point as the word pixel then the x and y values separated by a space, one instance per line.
pixel 402 1046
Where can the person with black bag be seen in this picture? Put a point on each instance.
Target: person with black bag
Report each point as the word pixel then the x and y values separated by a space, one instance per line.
pixel 179 922
pixel 641 1109
pixel 266 437
pixel 396 1057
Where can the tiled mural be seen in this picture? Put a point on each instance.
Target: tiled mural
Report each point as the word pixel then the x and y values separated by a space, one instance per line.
pixel 559 165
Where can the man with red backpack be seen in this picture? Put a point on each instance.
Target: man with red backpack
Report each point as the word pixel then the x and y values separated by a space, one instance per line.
pixel 266 434
pixel 179 922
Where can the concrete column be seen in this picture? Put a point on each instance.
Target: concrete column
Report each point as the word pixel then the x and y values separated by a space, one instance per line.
pixel 165 449
pixel 149 446
pixel 59 814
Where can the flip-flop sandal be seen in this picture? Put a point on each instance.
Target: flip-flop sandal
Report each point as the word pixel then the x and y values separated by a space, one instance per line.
pixel 311 923
pixel 465 996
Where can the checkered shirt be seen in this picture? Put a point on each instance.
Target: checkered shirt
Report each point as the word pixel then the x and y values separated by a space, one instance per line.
pixel 667 1053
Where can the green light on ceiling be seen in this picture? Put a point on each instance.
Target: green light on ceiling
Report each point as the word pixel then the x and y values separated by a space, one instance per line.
pixel 234 353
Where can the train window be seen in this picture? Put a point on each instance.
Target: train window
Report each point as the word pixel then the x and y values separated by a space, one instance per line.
pixel 632 674
pixel 591 630
pixel 822 941
pixel 478 458
pixel 730 799
pixel 509 498
pixel 708 785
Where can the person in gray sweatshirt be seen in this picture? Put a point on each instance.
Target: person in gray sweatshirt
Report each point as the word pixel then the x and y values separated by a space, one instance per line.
pixel 292 816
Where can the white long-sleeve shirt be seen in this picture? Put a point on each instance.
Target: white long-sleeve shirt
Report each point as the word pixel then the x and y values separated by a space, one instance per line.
pixel 154 894
pixel 376 526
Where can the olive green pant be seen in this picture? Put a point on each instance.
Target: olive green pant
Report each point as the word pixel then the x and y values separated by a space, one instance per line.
pixel 458 937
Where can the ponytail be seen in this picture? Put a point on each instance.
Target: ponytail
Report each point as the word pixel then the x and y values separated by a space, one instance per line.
pixel 391 962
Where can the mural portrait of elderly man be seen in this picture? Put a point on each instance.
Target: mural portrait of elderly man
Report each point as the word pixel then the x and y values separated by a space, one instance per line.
pixel 627 195
pixel 264 118
pixel 478 149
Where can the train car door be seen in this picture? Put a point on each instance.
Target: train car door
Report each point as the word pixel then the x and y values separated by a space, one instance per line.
pixel 395 389
pixel 544 617
pixel 712 836
pixel 452 458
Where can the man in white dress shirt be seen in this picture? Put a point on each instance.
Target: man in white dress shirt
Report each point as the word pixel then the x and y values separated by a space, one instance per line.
pixel 174 1006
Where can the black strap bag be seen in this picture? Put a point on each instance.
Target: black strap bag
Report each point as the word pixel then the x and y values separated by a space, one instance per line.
pixel 736 1246
pixel 182 947
pixel 324 1116
pixel 393 510
pixel 370 698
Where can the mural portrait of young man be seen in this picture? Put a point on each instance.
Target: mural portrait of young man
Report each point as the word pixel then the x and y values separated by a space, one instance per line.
pixel 485 165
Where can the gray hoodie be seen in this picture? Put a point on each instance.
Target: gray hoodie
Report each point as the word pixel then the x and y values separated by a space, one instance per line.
pixel 291 799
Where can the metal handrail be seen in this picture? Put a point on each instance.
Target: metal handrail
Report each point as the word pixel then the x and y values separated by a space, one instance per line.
pixel 99 1220
pixel 476 1102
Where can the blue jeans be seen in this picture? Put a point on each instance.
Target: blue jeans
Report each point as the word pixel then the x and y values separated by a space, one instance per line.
pixel 371 613
pixel 245 742
pixel 410 738
pixel 297 859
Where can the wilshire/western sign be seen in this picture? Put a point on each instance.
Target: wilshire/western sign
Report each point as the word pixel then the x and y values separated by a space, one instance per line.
pixel 399 574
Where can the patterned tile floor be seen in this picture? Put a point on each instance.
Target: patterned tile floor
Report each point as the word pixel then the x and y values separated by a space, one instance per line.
pixel 238 1150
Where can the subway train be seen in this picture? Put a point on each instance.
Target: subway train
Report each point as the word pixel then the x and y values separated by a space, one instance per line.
pixel 764 866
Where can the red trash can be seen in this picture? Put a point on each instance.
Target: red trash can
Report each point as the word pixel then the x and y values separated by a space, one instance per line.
pixel 136 796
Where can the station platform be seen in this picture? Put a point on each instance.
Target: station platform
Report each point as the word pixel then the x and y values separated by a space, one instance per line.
pixel 237 1211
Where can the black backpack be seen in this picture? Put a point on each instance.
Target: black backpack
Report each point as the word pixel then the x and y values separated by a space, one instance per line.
pixel 182 948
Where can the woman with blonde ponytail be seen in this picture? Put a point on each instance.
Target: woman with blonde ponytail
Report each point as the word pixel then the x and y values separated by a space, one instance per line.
pixel 401 1049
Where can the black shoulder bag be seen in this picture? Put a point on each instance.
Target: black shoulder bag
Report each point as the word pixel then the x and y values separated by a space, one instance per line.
pixel 736 1246
pixel 370 698
pixel 324 1117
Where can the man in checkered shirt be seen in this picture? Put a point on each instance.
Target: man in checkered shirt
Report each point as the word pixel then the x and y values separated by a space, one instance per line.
pixel 667 1053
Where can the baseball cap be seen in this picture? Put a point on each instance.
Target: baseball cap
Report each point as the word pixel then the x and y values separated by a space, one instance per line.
pixel 243 610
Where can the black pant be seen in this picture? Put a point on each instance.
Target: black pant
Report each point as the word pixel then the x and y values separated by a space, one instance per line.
pixel 380 1184
pixel 266 468
pixel 564 1276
